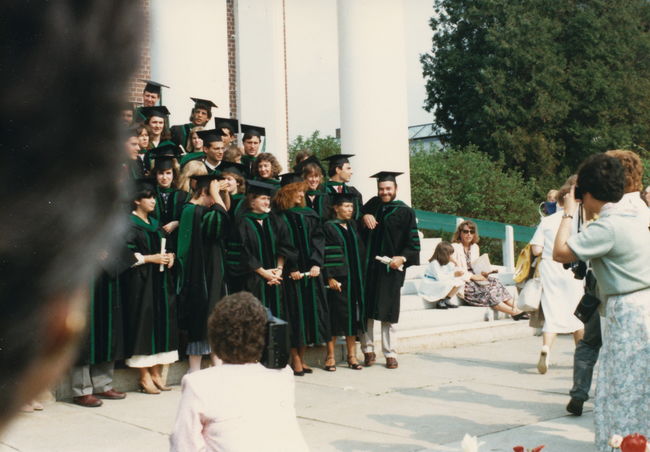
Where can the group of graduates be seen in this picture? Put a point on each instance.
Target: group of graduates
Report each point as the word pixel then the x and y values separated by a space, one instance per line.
pixel 205 222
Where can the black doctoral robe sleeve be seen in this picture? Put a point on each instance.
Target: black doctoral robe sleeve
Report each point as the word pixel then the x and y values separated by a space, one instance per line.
pixel 335 265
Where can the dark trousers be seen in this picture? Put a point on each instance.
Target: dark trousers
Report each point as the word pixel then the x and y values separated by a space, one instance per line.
pixel 585 357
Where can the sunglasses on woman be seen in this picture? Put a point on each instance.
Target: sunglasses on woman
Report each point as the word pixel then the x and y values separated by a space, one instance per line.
pixel 467 231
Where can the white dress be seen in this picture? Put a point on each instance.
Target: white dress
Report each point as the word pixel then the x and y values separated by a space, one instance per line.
pixel 438 281
pixel 237 407
pixel 561 292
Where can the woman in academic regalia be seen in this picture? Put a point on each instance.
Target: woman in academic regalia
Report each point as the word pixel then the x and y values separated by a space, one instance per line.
pixel 156 120
pixel 148 295
pixel 345 272
pixel 233 174
pixel 266 168
pixel 169 199
pixel 262 241
pixel 316 197
pixel 200 263
pixel 305 301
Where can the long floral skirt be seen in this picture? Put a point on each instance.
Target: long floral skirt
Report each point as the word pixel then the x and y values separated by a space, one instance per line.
pixel 490 294
pixel 622 403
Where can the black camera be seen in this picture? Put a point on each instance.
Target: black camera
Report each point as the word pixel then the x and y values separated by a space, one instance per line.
pixel 276 343
pixel 577 193
pixel 579 269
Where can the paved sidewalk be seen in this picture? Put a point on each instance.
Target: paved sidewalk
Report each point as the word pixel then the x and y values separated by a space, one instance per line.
pixel 429 403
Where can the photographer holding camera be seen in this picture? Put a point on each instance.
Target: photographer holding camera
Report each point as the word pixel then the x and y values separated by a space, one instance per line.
pixel 617 245
pixel 240 405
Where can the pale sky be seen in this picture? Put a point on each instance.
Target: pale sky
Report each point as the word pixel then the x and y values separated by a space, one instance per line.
pixel 312 60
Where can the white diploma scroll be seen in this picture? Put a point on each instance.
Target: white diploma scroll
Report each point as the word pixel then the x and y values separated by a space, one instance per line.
pixel 163 244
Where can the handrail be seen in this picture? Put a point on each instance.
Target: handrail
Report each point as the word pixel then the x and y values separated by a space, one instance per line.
pixel 445 222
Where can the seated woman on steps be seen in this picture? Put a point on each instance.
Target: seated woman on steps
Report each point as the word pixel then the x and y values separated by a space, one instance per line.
pixel 442 277
pixel 479 289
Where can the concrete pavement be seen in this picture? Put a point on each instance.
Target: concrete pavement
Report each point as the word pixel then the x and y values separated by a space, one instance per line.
pixel 491 390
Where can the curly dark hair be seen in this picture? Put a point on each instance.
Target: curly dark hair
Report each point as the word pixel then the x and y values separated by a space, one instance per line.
pixel 276 168
pixel 236 328
pixel 603 177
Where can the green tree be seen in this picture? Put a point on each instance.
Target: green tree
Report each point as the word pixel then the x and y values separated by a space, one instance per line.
pixel 540 85
pixel 467 182
pixel 315 145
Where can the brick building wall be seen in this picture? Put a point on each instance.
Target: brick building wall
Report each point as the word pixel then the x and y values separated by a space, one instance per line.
pixel 232 58
pixel 136 87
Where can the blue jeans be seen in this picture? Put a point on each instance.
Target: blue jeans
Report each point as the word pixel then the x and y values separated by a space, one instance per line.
pixel 585 357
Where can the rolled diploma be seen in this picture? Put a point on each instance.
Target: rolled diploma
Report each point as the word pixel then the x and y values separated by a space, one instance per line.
pixel 163 243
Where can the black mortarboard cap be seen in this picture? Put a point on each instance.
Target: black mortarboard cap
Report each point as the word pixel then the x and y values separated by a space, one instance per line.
pixel 227 123
pixel 384 176
pixel 232 167
pixel 153 87
pixel 253 130
pixel 203 103
pixel 159 110
pixel 205 179
pixel 164 155
pixel 209 136
pixel 290 178
pixel 309 160
pixel 259 188
pixel 338 159
pixel 340 198
pixel 145 184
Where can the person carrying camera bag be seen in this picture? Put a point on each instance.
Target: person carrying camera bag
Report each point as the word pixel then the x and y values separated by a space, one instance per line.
pixel 618 248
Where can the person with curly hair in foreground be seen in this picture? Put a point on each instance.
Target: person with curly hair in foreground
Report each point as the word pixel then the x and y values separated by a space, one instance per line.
pixel 240 405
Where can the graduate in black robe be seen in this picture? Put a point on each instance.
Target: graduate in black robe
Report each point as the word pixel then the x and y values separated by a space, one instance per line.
pixel 151 336
pixel 390 231
pixel 92 376
pixel 252 139
pixel 201 264
pixel 133 168
pixel 305 300
pixel 264 249
pixel 340 173
pixel 316 197
pixel 199 117
pixel 169 199
pixel 345 274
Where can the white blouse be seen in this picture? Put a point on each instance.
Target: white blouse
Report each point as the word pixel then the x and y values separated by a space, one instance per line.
pixel 237 407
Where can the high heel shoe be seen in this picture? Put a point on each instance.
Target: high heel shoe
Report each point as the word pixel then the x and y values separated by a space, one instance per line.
pixel 147 389
pixel 353 365
pixel 160 385
pixel 330 367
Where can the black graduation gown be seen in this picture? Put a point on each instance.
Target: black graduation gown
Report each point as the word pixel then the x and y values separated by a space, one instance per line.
pixel 320 203
pixel 201 266
pixel 149 298
pixel 180 133
pixel 169 205
pixel 305 299
pixel 345 262
pixel 330 187
pixel 135 169
pixel 395 235
pixel 248 161
pixel 104 340
pixel 261 245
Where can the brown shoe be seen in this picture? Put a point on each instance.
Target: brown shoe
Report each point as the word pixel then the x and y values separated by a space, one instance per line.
pixel 111 394
pixel 88 401
pixel 369 359
pixel 391 363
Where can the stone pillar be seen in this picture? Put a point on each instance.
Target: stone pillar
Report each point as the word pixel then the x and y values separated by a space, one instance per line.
pixel 373 95
pixel 261 88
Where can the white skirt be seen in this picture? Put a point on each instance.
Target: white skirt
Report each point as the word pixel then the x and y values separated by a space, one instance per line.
pixel 561 293
pixel 152 360
pixel 433 290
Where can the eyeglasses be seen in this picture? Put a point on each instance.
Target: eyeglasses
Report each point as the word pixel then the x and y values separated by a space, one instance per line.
pixel 467 231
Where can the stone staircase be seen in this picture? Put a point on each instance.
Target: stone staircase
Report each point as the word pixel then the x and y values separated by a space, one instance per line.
pixel 421 328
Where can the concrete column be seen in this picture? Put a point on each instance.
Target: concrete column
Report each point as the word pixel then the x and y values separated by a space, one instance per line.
pixel 260 71
pixel 189 52
pixel 508 247
pixel 373 94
